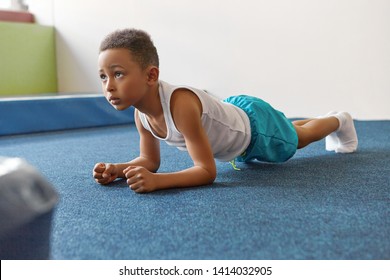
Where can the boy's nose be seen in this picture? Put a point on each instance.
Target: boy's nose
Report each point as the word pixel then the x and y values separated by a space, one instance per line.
pixel 110 86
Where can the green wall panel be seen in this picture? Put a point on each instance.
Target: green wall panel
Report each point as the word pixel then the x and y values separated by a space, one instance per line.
pixel 27 59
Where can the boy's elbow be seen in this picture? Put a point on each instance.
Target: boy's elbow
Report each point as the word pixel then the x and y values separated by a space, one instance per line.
pixel 155 166
pixel 206 176
pixel 212 176
pixel 212 179
pixel 151 164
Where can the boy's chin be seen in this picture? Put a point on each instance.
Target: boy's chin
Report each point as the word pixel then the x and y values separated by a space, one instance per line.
pixel 120 107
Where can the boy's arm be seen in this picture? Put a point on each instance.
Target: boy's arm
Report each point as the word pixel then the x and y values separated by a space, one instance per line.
pixel 149 157
pixel 149 146
pixel 186 112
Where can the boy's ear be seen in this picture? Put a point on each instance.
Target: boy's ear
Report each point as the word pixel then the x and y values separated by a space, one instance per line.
pixel 153 74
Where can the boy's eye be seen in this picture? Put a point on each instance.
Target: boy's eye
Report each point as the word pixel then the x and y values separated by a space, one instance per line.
pixel 118 74
pixel 103 77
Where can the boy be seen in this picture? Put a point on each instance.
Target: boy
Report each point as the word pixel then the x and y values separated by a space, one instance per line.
pixel 241 127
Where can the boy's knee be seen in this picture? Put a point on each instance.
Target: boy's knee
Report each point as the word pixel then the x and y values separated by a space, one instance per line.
pixel 302 143
pixel 303 139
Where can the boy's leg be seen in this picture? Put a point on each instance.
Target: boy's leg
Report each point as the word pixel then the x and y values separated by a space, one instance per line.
pixel 339 128
pixel 312 130
pixel 301 122
pixel 331 142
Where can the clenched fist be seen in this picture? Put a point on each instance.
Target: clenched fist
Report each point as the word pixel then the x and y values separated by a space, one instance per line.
pixel 105 173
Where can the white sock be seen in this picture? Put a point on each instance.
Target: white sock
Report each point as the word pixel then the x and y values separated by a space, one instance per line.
pixel 331 141
pixel 346 134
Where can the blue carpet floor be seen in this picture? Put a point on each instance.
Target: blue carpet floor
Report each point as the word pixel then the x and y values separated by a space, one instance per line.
pixel 318 205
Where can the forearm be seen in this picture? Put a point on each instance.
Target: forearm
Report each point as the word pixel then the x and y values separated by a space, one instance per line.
pixel 191 177
pixel 139 161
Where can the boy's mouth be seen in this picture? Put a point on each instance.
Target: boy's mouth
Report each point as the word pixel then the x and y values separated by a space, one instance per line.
pixel 114 100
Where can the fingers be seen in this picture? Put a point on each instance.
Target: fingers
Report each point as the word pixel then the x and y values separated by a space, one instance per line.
pixel 136 178
pixel 104 173
pixel 109 171
pixel 130 171
pixel 98 170
pixel 99 167
pixel 132 175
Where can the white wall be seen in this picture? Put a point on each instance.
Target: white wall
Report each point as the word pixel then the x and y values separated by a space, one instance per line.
pixel 305 57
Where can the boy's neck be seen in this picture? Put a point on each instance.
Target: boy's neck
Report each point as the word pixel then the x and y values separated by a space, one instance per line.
pixel 151 105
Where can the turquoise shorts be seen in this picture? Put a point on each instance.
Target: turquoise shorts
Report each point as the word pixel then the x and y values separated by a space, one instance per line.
pixel 274 138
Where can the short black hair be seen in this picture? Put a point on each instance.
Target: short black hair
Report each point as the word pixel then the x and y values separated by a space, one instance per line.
pixel 138 42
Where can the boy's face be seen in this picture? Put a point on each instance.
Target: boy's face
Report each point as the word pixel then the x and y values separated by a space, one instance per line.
pixel 124 82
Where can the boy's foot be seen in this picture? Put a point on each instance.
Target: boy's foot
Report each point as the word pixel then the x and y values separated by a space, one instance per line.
pixel 344 139
pixel 331 141
pixel 346 134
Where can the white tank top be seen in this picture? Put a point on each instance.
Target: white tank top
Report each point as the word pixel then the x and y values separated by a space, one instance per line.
pixel 226 125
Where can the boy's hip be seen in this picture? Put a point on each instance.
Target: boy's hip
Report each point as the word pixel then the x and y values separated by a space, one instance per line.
pixel 273 136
